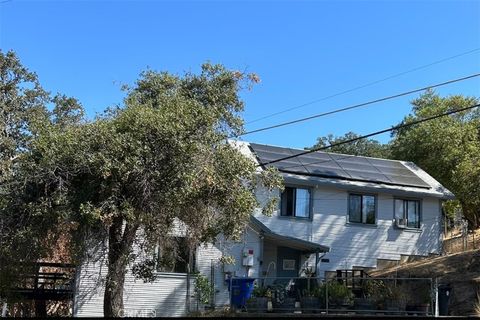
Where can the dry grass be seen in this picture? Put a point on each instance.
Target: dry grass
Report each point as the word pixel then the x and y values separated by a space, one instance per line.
pixel 460 271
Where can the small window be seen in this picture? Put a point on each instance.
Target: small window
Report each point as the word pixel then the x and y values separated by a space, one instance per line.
pixel 174 256
pixel 407 213
pixel 295 202
pixel 288 264
pixel 361 208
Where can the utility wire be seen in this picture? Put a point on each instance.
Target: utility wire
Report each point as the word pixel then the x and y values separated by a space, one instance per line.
pixel 404 125
pixel 360 105
pixel 363 86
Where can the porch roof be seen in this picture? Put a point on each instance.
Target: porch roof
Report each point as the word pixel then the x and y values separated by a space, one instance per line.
pixel 287 241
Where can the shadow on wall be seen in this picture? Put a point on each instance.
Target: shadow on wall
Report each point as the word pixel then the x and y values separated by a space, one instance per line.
pixel 90 280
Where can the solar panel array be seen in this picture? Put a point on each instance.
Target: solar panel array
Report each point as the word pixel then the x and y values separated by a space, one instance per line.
pixel 339 166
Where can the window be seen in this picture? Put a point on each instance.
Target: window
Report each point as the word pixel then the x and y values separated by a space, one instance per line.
pixel 295 202
pixel 407 213
pixel 361 208
pixel 173 256
pixel 288 264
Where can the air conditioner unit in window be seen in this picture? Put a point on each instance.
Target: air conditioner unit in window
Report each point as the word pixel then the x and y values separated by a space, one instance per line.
pixel 400 223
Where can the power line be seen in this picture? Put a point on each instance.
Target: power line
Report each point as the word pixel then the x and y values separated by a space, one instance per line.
pixel 371 134
pixel 363 86
pixel 360 105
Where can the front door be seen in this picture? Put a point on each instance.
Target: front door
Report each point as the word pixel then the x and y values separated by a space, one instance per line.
pixel 288 261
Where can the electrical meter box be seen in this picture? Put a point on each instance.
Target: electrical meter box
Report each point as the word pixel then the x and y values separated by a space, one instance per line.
pixel 247 258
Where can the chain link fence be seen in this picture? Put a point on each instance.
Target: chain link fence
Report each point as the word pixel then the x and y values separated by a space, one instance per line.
pixel 373 296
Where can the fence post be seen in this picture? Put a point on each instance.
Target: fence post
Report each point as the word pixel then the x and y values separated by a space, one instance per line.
pixel 326 296
pixel 230 292
pixel 435 288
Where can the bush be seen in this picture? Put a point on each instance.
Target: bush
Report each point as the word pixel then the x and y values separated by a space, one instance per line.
pixel 339 293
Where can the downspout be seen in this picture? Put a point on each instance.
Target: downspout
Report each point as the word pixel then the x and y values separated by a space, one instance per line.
pixel 187 301
pixel 260 256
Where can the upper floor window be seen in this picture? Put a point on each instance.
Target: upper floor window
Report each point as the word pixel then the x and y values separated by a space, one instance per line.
pixel 361 208
pixel 407 213
pixel 295 202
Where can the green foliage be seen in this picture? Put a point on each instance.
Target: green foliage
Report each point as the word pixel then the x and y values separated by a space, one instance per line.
pixel 261 291
pixel 447 148
pixel 203 289
pixel 315 291
pixel 162 158
pixel 227 259
pixel 339 293
pixel 363 147
pixel 381 291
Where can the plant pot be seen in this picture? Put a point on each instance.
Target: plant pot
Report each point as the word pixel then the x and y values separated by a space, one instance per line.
pixel 257 304
pixel 364 306
pixel 287 306
pixel 310 304
pixel 339 303
pixel 393 307
pixel 423 308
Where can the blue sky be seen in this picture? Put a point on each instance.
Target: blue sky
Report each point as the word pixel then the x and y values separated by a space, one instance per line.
pixel 302 51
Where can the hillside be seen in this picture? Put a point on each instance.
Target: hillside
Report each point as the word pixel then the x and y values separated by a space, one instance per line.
pixel 460 270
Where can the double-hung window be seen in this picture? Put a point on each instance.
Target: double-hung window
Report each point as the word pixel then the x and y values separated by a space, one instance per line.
pixel 295 202
pixel 407 213
pixel 361 208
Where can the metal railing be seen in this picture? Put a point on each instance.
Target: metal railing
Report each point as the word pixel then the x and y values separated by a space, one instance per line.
pixel 373 296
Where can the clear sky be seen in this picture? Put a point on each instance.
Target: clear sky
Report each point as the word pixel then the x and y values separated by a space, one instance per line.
pixel 302 51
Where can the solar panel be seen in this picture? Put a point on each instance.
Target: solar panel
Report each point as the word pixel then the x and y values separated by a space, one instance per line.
pixel 339 166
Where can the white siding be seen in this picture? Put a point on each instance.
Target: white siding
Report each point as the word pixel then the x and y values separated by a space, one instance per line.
pixel 167 295
pixel 208 255
pixel 360 245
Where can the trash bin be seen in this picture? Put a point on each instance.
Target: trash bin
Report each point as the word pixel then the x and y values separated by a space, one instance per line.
pixel 241 290
pixel 444 293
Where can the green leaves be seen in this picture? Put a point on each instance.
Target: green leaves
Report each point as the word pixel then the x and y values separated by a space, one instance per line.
pixel 160 161
pixel 363 147
pixel 447 148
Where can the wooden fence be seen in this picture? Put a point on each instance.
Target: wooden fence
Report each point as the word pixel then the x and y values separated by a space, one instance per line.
pixel 461 243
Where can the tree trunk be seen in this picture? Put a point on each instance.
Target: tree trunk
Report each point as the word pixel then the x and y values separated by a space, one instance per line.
pixel 119 248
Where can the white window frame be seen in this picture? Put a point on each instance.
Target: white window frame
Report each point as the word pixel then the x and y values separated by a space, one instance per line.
pixel 361 195
pixel 404 224
pixel 294 215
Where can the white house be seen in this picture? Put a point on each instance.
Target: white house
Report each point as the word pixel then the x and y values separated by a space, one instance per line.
pixel 336 212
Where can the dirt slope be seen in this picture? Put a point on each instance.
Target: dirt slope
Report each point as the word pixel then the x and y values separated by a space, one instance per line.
pixel 460 270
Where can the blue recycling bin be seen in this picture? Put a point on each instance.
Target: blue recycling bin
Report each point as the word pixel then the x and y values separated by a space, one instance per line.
pixel 241 290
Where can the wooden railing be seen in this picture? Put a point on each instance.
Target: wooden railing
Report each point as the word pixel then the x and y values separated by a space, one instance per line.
pixel 48 281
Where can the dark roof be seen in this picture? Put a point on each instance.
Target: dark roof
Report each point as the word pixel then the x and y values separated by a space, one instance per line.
pixel 339 166
pixel 287 241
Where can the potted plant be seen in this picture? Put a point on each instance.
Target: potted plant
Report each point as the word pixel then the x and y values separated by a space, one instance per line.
pixel 372 296
pixel 388 296
pixel 419 300
pixel 311 300
pixel 395 299
pixel 281 300
pixel 259 300
pixel 339 296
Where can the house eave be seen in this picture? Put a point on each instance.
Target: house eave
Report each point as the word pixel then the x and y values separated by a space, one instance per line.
pixel 287 241
pixel 312 181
